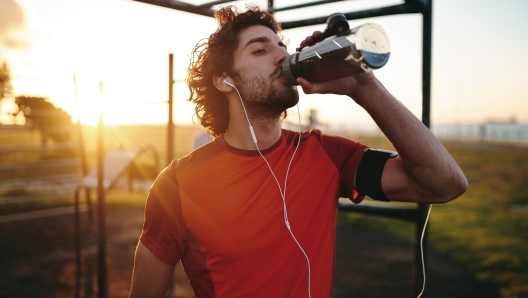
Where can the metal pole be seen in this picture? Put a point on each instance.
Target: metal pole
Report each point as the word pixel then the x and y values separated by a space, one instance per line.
pixel 170 146
pixel 101 239
pixel 427 32
pixel 77 244
pixel 427 58
pixel 170 128
pixel 79 131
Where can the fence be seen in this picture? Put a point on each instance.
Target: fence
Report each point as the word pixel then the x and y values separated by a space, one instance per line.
pixel 32 169
pixel 502 132
pixel 509 132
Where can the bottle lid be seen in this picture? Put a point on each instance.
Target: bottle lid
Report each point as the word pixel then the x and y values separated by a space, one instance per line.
pixel 373 43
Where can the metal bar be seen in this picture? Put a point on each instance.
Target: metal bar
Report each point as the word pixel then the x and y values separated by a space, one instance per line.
pixel 70 162
pixel 170 128
pixel 36 147
pixel 68 179
pixel 376 12
pixel 408 214
pixel 79 130
pixel 302 5
pixel 64 179
pixel 77 243
pixel 55 128
pixel 41 196
pixel 180 6
pixel 89 205
pixel 41 213
pixel 426 67
pixel 427 31
pixel 101 235
pixel 418 3
pixel 209 4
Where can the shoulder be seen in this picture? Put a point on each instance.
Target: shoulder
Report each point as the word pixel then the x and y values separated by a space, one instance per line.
pixel 340 150
pixel 166 179
pixel 326 140
pixel 198 156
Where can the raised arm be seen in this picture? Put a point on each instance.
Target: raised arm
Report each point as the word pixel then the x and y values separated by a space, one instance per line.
pixel 151 277
pixel 423 172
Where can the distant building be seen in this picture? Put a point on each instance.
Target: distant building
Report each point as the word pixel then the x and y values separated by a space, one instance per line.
pixel 493 130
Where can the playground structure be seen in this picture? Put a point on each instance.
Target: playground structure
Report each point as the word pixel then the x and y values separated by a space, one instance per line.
pixel 415 213
pixel 116 162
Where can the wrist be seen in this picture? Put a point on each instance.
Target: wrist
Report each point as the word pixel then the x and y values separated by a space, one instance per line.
pixel 367 90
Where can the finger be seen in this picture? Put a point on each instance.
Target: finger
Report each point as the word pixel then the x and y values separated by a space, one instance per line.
pixel 311 39
pixel 305 85
pixel 307 40
pixel 316 34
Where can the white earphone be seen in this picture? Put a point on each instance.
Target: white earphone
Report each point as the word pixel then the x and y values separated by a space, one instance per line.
pixel 226 82
pixel 281 190
pixel 283 195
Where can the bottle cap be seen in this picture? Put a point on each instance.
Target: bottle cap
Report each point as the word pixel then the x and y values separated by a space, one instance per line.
pixel 373 43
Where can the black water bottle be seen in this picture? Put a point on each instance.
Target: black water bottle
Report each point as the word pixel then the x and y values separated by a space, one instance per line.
pixel 339 52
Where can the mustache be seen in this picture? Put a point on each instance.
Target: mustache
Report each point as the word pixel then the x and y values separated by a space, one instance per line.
pixel 275 72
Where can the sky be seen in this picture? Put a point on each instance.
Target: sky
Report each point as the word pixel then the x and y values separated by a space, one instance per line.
pixel 479 71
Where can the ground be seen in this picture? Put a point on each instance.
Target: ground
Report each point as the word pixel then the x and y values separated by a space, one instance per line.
pixel 38 260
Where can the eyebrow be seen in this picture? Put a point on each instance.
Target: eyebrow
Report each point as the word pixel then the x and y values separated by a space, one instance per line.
pixel 263 39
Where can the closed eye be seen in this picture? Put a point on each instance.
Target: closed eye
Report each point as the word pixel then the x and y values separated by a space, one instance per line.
pixel 259 51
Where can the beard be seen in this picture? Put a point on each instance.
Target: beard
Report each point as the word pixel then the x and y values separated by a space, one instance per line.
pixel 261 99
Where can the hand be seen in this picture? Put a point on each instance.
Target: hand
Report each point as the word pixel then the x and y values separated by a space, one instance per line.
pixel 352 86
pixel 309 40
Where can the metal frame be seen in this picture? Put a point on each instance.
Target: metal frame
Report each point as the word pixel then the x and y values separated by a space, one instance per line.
pixel 100 226
pixel 417 213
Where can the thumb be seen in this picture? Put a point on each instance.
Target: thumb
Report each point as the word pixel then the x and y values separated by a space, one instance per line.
pixel 310 88
pixel 307 87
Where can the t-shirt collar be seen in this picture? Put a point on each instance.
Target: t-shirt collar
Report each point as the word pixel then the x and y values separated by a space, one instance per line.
pixel 244 152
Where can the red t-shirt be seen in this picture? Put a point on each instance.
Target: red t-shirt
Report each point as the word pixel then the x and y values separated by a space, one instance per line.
pixel 220 211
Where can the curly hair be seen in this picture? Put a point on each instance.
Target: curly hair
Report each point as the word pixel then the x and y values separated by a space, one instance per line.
pixel 214 56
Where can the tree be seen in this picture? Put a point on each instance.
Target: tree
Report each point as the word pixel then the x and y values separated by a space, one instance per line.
pixel 52 122
pixel 5 81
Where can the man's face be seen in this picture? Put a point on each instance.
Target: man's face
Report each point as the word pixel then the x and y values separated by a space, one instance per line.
pixel 257 73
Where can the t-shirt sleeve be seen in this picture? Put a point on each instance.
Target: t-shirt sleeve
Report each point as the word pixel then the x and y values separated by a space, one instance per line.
pixel 346 155
pixel 164 232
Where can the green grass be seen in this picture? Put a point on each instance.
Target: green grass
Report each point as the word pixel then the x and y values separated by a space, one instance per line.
pixel 480 229
pixel 123 197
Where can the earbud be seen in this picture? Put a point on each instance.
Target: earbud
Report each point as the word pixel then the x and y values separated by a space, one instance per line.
pixel 226 82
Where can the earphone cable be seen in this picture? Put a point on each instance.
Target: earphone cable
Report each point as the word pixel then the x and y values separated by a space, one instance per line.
pixel 421 250
pixel 281 191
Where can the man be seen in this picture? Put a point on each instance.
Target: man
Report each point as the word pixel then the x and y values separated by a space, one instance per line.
pixel 253 213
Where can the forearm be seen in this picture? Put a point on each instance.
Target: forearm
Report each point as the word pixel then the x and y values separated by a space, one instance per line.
pixel 433 172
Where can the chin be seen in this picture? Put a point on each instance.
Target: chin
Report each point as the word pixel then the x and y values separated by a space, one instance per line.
pixel 282 84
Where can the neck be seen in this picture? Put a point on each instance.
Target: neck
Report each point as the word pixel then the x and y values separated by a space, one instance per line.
pixel 238 135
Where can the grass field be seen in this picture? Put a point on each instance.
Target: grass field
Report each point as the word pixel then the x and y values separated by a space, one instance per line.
pixel 486 229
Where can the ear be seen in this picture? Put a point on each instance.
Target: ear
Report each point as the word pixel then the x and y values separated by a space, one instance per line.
pixel 218 81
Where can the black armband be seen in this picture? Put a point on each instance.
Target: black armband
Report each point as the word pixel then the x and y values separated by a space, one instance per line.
pixel 369 171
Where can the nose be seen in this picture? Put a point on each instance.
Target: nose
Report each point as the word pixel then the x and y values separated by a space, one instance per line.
pixel 281 56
